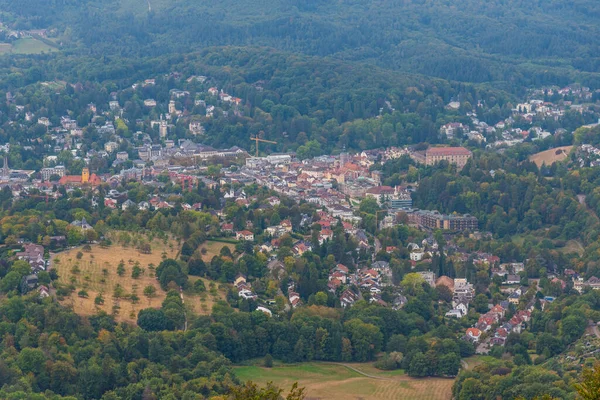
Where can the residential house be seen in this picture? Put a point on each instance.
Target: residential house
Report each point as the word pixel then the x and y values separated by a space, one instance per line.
pixel 44 291
pixel 512 280
pixel 473 334
pixel 459 311
pixel 244 235
pixel 416 256
pixel 294 299
pixel 463 291
pixel 34 255
pixel 348 298
pixel 429 277
pixel 240 278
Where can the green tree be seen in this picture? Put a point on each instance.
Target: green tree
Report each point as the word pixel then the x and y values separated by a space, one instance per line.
pixel 366 339
pixel 589 387
pixel 321 298
pixel 480 303
pixel 149 291
pixel 268 361
pixel 10 282
pixel 448 364
pixel 418 366
pixel 250 391
pixel 151 319
pixel 412 284
pixel 136 272
pixel 572 327
pixel 369 205
pixel 169 270
pixel 31 360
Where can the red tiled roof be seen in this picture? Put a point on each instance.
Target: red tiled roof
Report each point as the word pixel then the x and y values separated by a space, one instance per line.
pixel 473 332
pixel 448 151
pixel 381 190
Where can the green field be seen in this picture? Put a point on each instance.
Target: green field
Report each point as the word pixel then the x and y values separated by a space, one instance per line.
pixel 31 46
pixel 5 48
pixel 338 382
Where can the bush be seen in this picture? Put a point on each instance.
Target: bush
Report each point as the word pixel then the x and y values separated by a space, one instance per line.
pixel 99 300
pixel 268 361
pixel 199 286
pixel 390 361
pixel 136 272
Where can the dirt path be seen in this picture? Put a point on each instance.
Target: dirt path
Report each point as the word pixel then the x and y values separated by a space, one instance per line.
pixel 350 367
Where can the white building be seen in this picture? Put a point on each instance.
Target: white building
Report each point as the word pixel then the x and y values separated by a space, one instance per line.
pixel 59 170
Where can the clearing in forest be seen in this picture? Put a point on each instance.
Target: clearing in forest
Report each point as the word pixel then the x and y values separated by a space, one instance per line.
pixel 551 156
pixel 31 46
pixel 337 382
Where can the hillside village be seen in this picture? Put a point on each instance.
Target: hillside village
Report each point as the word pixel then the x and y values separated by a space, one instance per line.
pixel 334 186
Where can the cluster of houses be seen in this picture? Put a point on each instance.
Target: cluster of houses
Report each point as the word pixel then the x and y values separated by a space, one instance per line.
pixel 588 155
pixel 244 288
pixel 314 180
pixel 525 120
pixel 34 255
pixel 494 320
pixel 344 283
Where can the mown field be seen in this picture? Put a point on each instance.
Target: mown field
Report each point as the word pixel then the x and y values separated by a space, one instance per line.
pixel 96 273
pixel 337 382
pixel 551 156
pixel 31 46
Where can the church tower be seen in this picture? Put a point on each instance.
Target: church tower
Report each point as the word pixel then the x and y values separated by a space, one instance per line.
pixel 5 168
pixel 85 175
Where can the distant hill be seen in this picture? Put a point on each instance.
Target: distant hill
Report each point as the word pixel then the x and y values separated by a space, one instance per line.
pixel 508 42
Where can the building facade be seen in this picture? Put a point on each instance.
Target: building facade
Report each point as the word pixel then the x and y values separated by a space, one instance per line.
pixel 454 155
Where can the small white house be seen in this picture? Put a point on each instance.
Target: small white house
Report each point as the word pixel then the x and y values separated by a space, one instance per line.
pixel 458 312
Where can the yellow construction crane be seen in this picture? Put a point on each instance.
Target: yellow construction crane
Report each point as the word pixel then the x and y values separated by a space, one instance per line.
pixel 257 139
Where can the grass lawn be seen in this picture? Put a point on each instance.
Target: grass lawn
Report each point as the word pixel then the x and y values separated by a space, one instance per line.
pixel 573 246
pixel 31 46
pixel 336 382
pixel 476 360
pixel 213 248
pixel 5 48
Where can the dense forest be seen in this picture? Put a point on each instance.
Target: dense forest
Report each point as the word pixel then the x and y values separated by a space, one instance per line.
pixel 512 43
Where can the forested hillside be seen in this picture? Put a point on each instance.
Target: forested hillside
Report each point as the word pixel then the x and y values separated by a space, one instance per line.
pixel 509 42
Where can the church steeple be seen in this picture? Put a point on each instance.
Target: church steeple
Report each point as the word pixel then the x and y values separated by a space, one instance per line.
pixel 5 168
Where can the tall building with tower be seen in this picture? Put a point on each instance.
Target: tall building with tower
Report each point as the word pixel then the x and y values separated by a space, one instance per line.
pixel 5 168
pixel 84 179
pixel 85 175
